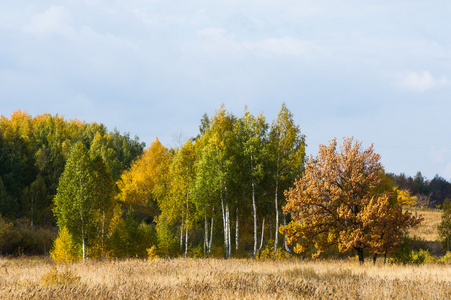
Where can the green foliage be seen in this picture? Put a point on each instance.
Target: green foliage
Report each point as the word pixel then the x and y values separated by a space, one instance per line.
pixel 34 153
pixel 444 229
pixel 129 239
pixel 446 258
pixel 268 252
pixel 64 249
pixel 167 240
pixel 406 255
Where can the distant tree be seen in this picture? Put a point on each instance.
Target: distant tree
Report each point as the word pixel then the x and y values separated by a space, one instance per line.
pixel 343 199
pixel 444 229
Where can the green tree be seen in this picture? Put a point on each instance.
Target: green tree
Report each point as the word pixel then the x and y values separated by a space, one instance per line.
pixel 287 156
pixel 444 229
pixel 180 206
pixel 80 197
pixel 217 168
pixel 253 137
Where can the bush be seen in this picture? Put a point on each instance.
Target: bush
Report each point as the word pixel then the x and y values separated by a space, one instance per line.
pixel 152 253
pixel 447 258
pixel 268 252
pixel 53 277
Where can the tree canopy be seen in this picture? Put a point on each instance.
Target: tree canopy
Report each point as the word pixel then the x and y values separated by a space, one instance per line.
pixel 343 199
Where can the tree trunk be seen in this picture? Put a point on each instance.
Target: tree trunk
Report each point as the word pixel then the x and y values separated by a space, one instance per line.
pixel 254 207
pixel 385 257
pixel 284 236
pixel 225 217
pixel 360 254
pixel 186 242
pixel 181 234
pixel 211 234
pixel 205 236
pixel 374 258
pixel 237 232
pixel 261 240
pixel 229 242
pixel 276 236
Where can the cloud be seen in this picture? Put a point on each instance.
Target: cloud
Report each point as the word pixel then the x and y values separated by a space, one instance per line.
pixel 51 21
pixel 288 46
pixel 285 46
pixel 419 81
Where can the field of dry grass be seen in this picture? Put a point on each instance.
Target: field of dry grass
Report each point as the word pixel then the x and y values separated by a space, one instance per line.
pixel 427 231
pixel 32 278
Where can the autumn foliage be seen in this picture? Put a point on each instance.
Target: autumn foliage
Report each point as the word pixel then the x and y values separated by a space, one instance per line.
pixel 344 199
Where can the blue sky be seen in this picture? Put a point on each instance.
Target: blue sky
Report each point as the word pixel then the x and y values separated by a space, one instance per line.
pixel 376 70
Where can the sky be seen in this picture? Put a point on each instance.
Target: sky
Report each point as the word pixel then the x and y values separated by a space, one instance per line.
pixel 379 71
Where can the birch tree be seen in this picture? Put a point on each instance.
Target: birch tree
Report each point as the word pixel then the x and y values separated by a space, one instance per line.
pixel 287 155
pixel 80 197
pixel 254 146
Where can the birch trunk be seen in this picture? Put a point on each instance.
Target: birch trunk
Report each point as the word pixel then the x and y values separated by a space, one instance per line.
pixel 261 240
pixel 228 230
pixel 254 207
pixel 237 233
pixel 224 221
pixel 284 236
pixel 186 242
pixel 205 236
pixel 276 236
pixel 211 234
pixel 181 234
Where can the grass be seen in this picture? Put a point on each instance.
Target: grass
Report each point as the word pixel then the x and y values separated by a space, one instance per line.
pixel 33 278
pixel 427 230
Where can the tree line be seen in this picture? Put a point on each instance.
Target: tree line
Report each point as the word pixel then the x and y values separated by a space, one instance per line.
pixel 33 155
pixel 228 191
pixel 429 193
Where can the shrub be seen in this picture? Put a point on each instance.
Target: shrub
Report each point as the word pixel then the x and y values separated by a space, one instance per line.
pixel 53 277
pixel 447 258
pixel 268 252
pixel 152 253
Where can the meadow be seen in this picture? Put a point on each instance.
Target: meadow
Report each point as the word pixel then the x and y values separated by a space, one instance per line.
pixel 40 278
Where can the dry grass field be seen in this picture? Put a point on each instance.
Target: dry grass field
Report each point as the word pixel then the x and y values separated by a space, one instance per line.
pixel 427 231
pixel 32 278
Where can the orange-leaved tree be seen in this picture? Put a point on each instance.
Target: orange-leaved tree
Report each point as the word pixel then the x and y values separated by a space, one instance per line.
pixel 344 199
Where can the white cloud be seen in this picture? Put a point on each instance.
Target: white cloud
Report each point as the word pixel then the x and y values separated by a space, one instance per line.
pixel 285 46
pixel 420 81
pixel 51 21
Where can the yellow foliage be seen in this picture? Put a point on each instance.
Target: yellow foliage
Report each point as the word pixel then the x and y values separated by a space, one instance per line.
pixel 64 249
pixel 53 277
pixel 148 177
pixel 152 253
pixel 404 197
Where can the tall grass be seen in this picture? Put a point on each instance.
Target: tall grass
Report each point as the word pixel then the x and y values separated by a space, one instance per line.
pixel 220 279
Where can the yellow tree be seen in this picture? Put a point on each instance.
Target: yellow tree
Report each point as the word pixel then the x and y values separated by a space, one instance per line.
pixel 148 179
pixel 343 200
